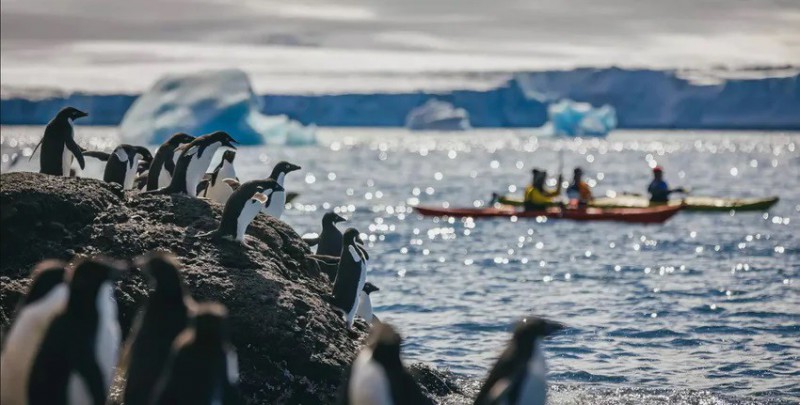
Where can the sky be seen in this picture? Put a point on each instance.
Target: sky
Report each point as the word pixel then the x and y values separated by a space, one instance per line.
pixel 388 45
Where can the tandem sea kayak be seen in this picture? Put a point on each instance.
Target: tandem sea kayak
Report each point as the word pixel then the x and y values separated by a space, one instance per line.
pixel 692 203
pixel 654 215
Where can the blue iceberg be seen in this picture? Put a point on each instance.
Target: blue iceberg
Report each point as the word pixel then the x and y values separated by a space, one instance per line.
pixel 204 102
pixel 571 118
pixel 438 115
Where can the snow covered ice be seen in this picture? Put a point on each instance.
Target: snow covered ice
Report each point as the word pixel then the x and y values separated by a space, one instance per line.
pixel 571 118
pixel 438 115
pixel 204 102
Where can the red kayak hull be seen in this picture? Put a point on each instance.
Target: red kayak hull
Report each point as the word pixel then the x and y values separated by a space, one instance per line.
pixel 652 215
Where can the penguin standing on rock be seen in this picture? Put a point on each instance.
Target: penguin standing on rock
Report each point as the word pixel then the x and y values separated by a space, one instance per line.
pixel 193 162
pixel 378 377
pixel 350 276
pixel 46 298
pixel 58 144
pixel 520 375
pixel 365 304
pixel 202 368
pixel 278 203
pixel 329 242
pixel 76 360
pixel 215 188
pixel 122 165
pixel 160 174
pixel 165 315
pixel 243 206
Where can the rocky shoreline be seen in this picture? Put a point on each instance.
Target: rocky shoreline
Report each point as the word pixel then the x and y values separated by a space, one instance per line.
pixel 292 346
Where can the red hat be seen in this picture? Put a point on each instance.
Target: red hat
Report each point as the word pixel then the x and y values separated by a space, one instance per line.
pixel 657 169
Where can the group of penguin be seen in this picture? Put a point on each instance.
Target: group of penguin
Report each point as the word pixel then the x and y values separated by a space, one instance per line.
pixel 63 345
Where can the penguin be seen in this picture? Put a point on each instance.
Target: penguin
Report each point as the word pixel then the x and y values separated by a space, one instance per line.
pixel 378 377
pixel 75 362
pixel 46 298
pixel 122 165
pixel 329 242
pixel 365 303
pixel 193 162
pixel 202 368
pixel 519 376
pixel 350 275
pixel 278 203
pixel 165 315
pixel 243 206
pixel 216 189
pixel 163 165
pixel 58 142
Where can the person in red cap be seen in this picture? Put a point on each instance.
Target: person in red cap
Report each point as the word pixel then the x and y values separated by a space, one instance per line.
pixel 659 189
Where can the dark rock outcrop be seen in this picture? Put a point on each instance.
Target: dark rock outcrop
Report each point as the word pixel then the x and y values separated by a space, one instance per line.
pixel 293 347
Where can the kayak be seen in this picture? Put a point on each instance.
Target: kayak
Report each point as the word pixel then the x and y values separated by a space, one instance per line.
pixel 652 215
pixel 692 203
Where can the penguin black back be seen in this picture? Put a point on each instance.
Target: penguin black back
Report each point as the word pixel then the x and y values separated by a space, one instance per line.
pixel 506 379
pixel 185 176
pixel 58 138
pixel 330 239
pixel 165 315
pixel 164 158
pixel 229 222
pixel 76 344
pixel 202 368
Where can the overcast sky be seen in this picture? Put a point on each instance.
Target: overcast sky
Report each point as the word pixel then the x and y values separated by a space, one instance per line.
pixel 319 38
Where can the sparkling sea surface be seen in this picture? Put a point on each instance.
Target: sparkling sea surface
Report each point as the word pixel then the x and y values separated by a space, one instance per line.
pixel 704 309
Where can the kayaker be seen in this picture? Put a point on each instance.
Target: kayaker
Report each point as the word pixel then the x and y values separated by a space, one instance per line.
pixel 579 192
pixel 537 197
pixel 659 189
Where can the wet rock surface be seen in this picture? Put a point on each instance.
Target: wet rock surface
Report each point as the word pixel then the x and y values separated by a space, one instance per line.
pixel 292 346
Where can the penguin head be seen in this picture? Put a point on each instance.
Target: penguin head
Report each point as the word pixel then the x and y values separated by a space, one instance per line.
pixel 163 272
pixel 532 327
pixel 351 236
pixel 331 218
pixel 179 138
pixel 223 138
pixel 144 153
pixel 70 113
pixel 90 274
pixel 144 165
pixel 46 276
pixel 228 156
pixel 210 322
pixel 283 167
pixel 370 288
pixel 385 344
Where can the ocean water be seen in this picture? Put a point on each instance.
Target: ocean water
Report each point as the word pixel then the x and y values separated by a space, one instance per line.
pixel 702 309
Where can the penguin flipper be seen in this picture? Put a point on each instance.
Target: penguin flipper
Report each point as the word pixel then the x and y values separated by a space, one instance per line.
pixel 90 371
pixel 169 164
pixel 202 186
pixel 290 196
pixel 97 155
pixel 76 151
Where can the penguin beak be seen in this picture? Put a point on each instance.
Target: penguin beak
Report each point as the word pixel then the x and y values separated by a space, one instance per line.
pixel 293 168
pixel 553 327
pixel 229 143
pixel 338 219
pixel 79 114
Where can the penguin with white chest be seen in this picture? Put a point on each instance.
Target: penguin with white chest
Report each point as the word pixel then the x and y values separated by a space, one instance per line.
pixel 378 377
pixel 365 304
pixel 216 189
pixel 165 315
pixel 202 368
pixel 243 206
pixel 520 374
pixel 278 203
pixel 350 275
pixel 160 174
pixel 76 360
pixel 122 165
pixel 195 157
pixel 58 144
pixel 46 298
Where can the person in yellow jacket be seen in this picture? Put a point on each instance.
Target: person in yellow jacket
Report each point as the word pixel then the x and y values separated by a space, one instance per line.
pixel 537 197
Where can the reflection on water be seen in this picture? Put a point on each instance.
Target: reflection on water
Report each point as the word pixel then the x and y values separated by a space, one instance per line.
pixel 704 302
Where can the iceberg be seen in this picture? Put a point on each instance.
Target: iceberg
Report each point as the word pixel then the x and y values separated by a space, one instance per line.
pixel 438 115
pixel 571 118
pixel 204 102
